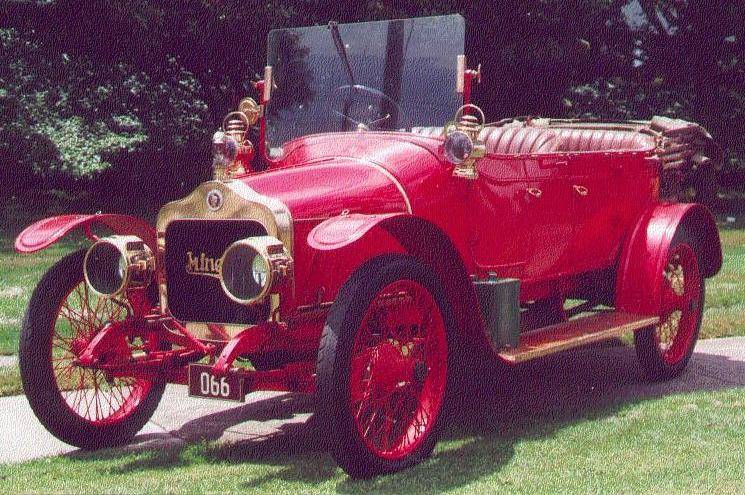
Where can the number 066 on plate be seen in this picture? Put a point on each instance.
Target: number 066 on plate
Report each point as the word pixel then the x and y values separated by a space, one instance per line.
pixel 203 383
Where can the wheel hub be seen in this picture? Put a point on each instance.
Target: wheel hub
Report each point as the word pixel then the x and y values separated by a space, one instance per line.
pixel 420 372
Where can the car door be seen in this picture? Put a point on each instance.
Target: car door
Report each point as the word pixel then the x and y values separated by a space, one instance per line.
pixel 597 186
pixel 498 206
pixel 548 216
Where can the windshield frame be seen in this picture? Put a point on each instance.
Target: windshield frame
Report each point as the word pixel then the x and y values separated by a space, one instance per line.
pixel 308 62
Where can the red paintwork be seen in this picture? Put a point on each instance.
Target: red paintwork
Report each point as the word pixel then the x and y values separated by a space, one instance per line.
pixel 338 232
pixel 570 211
pixel 646 251
pixel 686 305
pixel 354 196
pixel 46 232
pixel 75 342
pixel 383 374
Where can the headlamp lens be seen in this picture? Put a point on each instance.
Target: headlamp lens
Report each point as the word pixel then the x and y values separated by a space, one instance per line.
pixel 244 272
pixel 105 269
pixel 458 147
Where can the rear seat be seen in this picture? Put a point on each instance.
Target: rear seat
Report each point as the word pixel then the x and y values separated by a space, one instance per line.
pixel 531 140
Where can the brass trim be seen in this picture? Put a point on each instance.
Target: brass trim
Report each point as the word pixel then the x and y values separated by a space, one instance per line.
pixel 252 110
pixel 278 263
pixel 471 125
pixel 140 262
pixel 236 125
pixel 239 202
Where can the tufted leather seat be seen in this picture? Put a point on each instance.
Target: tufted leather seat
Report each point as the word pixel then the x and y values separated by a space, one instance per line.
pixel 519 140
pixel 603 140
pixel 532 140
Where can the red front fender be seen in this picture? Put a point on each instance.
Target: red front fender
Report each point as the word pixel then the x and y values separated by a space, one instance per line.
pixel 338 232
pixel 46 232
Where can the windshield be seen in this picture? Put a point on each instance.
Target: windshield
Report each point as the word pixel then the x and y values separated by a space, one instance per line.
pixel 387 75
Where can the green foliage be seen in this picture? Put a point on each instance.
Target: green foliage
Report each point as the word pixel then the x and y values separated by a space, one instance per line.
pixel 44 134
pixel 117 90
pixel 71 119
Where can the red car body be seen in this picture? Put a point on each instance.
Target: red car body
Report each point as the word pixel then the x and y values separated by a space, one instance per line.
pixel 571 210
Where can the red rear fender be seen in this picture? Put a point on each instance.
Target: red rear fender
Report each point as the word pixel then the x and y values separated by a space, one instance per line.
pixel 46 232
pixel 644 255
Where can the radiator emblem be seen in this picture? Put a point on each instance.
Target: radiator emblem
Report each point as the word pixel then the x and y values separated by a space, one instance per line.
pixel 214 200
pixel 202 265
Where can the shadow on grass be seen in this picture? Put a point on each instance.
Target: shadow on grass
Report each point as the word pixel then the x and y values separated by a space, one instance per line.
pixel 507 406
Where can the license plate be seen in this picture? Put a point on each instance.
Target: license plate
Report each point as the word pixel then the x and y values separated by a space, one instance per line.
pixel 202 383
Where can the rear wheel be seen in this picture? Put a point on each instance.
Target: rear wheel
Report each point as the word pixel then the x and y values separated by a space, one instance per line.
pixel 80 406
pixel 664 350
pixel 383 367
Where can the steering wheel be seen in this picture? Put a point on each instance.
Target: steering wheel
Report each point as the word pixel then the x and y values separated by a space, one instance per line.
pixel 371 114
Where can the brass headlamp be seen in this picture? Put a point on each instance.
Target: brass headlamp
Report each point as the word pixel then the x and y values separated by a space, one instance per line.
pixel 231 149
pixel 118 262
pixel 462 146
pixel 252 268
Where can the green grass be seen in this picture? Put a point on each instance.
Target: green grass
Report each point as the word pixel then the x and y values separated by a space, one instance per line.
pixel 10 381
pixel 688 443
pixel 18 277
pixel 724 313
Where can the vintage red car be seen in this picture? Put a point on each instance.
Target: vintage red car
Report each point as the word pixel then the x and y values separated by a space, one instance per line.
pixel 391 237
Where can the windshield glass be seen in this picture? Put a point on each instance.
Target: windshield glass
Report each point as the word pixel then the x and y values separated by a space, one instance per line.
pixel 386 75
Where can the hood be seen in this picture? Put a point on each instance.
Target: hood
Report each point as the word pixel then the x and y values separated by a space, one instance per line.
pixel 370 172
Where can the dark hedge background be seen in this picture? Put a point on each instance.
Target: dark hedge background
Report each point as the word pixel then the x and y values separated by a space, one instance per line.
pixel 111 104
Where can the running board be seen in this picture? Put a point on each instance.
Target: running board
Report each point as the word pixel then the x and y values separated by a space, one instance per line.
pixel 574 333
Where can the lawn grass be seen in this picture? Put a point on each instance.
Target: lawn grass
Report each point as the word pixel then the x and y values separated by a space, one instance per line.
pixel 724 313
pixel 19 276
pixel 687 443
pixel 10 381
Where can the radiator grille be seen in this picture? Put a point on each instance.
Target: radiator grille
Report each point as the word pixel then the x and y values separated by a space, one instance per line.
pixel 197 296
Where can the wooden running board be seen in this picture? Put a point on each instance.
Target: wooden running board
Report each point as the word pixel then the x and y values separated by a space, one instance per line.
pixel 575 333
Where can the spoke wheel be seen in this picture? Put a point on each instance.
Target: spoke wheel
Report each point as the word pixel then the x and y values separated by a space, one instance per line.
pixel 89 393
pixel 383 367
pixel 80 406
pixel 681 304
pixel 664 350
pixel 399 365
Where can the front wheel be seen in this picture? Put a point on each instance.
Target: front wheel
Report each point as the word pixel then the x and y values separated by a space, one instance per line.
pixel 80 406
pixel 664 350
pixel 382 369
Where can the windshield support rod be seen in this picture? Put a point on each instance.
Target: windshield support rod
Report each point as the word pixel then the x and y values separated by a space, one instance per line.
pixel 334 27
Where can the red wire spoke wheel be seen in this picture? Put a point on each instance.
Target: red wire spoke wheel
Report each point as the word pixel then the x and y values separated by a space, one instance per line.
pixel 383 367
pixel 665 349
pixel 81 406
pixel 681 304
pixel 88 392
pixel 399 365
